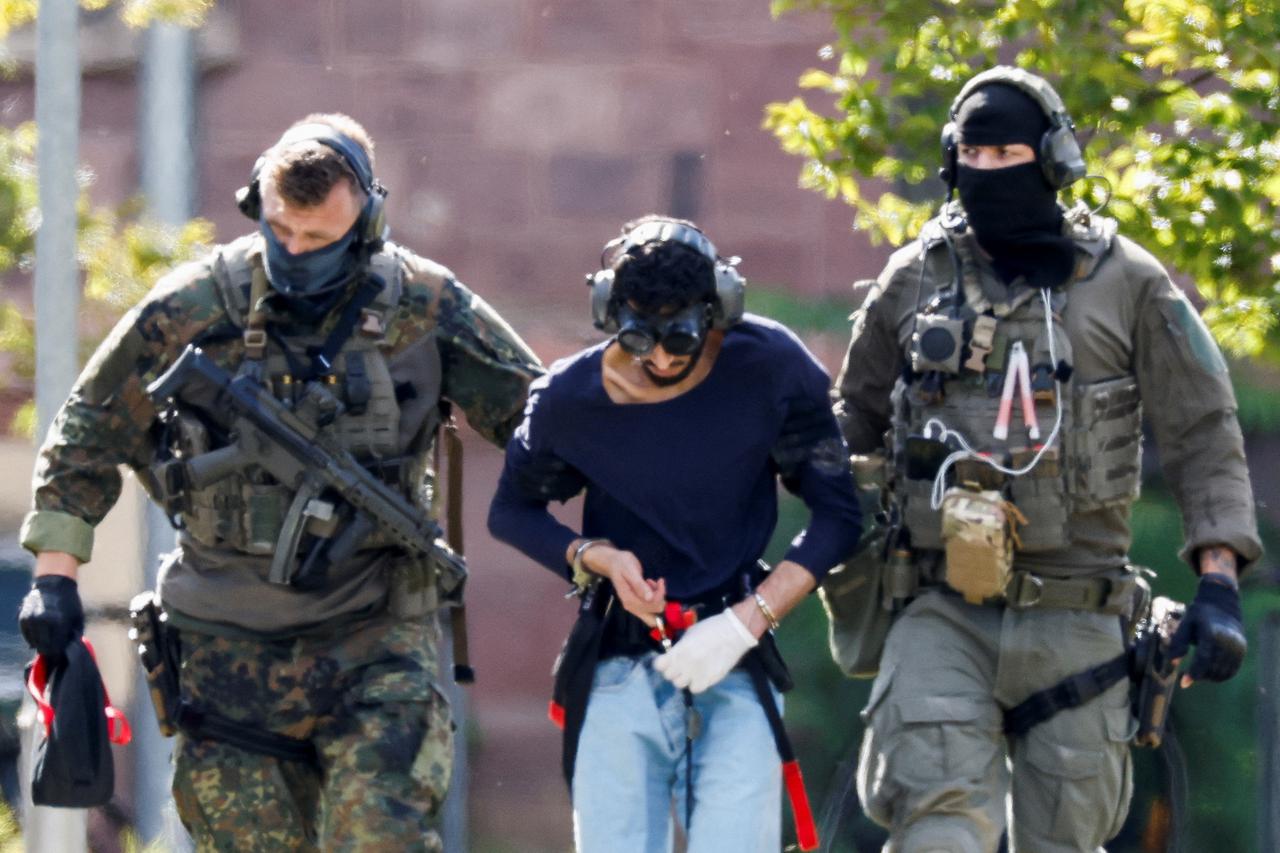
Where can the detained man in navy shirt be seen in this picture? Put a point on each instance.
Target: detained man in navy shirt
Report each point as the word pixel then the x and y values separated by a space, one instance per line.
pixel 678 428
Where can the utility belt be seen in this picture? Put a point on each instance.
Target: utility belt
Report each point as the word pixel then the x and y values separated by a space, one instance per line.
pixel 624 635
pixel 159 651
pixel 1118 593
pixel 1145 662
pixel 604 629
pixel 1149 626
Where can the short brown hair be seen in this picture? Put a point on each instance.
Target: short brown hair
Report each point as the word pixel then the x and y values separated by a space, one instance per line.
pixel 305 173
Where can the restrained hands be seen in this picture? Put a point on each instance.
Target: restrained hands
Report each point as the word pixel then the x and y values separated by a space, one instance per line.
pixel 642 597
pixel 707 651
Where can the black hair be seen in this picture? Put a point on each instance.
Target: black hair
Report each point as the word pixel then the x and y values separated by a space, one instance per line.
pixel 663 274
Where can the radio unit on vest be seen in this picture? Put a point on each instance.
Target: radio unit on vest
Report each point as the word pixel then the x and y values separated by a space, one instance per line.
pixel 936 344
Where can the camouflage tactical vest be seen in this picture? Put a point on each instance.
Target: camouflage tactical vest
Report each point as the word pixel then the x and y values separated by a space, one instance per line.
pixel 245 512
pixel 1095 460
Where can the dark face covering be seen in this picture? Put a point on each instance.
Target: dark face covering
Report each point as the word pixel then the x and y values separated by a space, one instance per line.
pixel 1013 211
pixel 309 273
pixel 1015 215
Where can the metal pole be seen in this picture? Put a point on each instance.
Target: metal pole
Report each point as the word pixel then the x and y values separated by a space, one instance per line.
pixel 57 297
pixel 167 140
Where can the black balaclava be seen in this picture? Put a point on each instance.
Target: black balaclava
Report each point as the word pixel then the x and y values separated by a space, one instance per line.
pixel 1013 211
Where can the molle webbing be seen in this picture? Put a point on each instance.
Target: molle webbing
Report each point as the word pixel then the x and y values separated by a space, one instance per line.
pixel 242 510
pixel 1105 444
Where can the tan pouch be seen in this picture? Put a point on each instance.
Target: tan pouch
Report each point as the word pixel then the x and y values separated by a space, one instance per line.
pixel 979 532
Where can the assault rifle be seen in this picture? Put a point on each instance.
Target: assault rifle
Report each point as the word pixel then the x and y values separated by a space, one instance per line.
pixel 334 493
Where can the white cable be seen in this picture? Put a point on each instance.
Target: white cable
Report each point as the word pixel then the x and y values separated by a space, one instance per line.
pixel 966 450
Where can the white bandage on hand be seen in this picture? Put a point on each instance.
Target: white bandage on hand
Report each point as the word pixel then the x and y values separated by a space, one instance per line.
pixel 706 652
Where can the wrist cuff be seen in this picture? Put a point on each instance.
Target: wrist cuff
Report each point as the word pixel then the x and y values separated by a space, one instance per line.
pixel 741 630
pixel 49 530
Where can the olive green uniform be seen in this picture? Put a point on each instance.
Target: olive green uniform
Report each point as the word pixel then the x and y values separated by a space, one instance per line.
pixel 350 666
pixel 933 764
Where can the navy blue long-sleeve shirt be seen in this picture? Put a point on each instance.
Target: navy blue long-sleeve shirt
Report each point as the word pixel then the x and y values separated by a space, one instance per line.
pixel 687 484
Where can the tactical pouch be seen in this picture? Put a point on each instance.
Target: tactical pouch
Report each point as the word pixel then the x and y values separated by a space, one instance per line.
pixel 852 595
pixel 264 512
pixel 918 516
pixel 857 595
pixel 1106 444
pixel 1040 497
pixel 413 591
pixel 979 531
pixel 211 515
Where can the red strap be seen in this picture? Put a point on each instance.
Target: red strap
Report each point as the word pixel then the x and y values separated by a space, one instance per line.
pixel 37 680
pixel 806 831
pixel 677 620
pixel 118 729
pixel 555 712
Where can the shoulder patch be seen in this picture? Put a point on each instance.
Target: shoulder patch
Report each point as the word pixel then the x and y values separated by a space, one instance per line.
pixel 1193 335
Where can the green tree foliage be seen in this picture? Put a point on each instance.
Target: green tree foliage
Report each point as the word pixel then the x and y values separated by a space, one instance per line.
pixel 120 251
pixel 1176 102
pixel 136 13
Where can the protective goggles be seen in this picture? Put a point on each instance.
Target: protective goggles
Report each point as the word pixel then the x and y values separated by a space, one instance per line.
pixel 680 334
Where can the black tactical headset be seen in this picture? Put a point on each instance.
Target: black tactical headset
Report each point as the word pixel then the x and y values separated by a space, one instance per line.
pixel 730 285
pixel 1059 154
pixel 372 224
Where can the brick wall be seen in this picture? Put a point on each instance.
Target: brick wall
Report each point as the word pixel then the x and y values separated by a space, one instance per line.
pixel 515 135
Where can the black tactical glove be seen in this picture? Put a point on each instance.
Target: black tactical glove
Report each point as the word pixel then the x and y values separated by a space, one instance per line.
pixel 1214 624
pixel 51 616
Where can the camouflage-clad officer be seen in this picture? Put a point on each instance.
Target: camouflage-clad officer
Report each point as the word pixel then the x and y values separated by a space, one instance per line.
pixel 311 719
pixel 1005 361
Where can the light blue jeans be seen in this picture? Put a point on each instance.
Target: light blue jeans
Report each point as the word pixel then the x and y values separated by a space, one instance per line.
pixel 629 779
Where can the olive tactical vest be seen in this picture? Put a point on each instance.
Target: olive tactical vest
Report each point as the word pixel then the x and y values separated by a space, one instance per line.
pixel 1093 462
pixel 245 512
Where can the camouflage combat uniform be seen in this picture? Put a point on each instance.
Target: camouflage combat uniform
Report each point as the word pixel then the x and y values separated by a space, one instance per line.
pixel 350 666
pixel 933 763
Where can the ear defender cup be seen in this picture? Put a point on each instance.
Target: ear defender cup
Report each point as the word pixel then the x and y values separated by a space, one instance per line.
pixel 373 218
pixel 730 285
pixel 948 170
pixel 731 294
pixel 249 198
pixel 1059 152
pixel 601 284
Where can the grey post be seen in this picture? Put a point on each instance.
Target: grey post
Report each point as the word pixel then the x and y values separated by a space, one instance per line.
pixel 57 295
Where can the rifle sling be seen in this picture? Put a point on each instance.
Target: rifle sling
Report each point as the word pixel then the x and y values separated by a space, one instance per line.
pixel 462 671
pixel 1070 692
pixel 322 359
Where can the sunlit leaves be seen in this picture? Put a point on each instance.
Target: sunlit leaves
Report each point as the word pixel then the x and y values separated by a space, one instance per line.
pixel 136 13
pixel 15 13
pixel 120 252
pixel 188 13
pixel 1176 101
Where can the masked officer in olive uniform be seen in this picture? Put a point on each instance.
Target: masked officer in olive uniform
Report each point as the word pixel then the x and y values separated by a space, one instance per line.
pixel 1004 362
pixel 309 715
